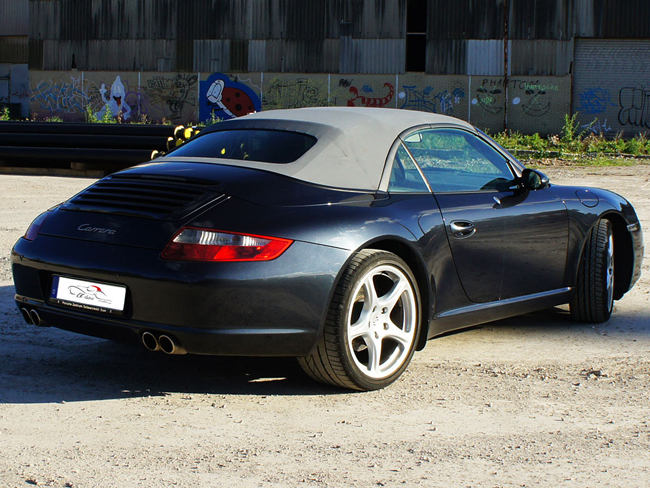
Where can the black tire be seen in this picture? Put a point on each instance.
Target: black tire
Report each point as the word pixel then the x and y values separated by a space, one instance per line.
pixel 368 343
pixel 594 292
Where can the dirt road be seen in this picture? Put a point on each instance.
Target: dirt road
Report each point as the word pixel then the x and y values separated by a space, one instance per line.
pixel 530 401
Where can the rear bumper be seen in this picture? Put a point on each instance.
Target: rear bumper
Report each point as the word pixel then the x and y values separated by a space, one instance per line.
pixel 273 308
pixel 225 342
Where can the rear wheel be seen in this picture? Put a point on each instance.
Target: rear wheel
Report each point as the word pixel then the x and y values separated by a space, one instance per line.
pixel 594 295
pixel 372 325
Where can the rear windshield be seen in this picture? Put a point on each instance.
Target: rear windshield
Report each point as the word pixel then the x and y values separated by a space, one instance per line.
pixel 267 146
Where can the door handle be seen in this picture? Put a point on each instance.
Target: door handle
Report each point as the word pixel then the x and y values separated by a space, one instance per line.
pixel 460 229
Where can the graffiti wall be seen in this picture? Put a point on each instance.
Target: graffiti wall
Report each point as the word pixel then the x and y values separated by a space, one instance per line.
pixel 128 96
pixel 612 109
pixel 535 104
pixel 223 97
pixel 169 96
pixel 284 90
pixel 539 104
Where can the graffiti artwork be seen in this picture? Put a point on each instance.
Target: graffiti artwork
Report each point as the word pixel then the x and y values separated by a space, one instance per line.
pixel 367 101
pixel 487 99
pixel 635 107
pixel 115 102
pixel 57 97
pixel 594 101
pixel 426 100
pixel 302 92
pixel 537 103
pixel 222 98
pixel 597 127
pixel 171 92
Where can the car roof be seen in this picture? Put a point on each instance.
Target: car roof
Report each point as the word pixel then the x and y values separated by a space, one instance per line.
pixel 352 146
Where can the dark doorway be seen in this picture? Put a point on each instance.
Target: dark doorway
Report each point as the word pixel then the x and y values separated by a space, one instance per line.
pixel 416 35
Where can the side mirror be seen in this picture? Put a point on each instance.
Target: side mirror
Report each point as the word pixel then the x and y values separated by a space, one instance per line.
pixel 534 180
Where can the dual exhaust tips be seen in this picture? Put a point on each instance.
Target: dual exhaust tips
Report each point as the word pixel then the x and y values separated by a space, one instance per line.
pixel 32 317
pixel 164 343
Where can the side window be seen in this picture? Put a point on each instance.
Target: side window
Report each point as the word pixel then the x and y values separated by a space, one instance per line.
pixel 405 177
pixel 454 160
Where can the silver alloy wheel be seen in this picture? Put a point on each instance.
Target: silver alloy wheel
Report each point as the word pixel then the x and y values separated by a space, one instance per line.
pixel 382 321
pixel 609 269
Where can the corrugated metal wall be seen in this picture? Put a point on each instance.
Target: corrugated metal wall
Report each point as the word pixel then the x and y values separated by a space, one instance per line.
pixel 610 85
pixel 13 49
pixel 14 15
pixel 540 57
pixel 485 57
pixel 355 36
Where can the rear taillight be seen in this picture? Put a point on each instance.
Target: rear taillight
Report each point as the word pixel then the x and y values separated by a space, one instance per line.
pixel 192 244
pixel 35 226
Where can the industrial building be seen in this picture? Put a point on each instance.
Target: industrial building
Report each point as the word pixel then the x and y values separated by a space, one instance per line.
pixel 520 64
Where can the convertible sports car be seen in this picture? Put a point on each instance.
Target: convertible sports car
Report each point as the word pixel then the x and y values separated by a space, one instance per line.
pixel 345 237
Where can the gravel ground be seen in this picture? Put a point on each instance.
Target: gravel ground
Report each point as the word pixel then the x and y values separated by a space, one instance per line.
pixel 535 400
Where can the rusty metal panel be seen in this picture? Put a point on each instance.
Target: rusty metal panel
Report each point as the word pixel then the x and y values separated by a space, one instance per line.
pixel 14 17
pixel 212 56
pixel 44 20
pixel 102 19
pixel 583 18
pixel 132 19
pixel 294 56
pixel 446 57
pixel 540 19
pixel 295 19
pixel 465 19
pixel 14 49
pixel 299 56
pixel 134 55
pixel 35 54
pixel 373 56
pixel 378 19
pixel 213 19
pixel 257 55
pixel 621 18
pixel 76 20
pixel 540 57
pixel 485 58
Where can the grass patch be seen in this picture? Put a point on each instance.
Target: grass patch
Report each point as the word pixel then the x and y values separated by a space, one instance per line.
pixel 570 146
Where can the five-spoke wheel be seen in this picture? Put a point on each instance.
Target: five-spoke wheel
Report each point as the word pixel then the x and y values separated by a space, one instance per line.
pixel 372 326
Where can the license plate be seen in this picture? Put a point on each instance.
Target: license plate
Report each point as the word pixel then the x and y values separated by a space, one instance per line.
pixel 88 295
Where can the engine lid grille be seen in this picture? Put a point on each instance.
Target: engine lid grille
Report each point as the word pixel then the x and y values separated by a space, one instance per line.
pixel 152 196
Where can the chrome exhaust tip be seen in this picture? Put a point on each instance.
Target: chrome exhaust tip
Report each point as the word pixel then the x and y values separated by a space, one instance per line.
pixel 170 345
pixel 26 316
pixel 36 319
pixel 150 341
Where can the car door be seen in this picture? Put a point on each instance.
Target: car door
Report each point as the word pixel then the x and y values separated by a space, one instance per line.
pixel 505 241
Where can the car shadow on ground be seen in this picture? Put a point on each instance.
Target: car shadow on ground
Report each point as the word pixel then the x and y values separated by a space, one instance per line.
pixel 47 365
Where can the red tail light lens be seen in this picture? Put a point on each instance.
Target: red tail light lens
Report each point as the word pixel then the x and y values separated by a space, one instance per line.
pixel 35 226
pixel 192 244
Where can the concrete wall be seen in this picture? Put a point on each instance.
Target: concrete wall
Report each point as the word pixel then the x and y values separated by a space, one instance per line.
pixel 535 104
pixel 14 87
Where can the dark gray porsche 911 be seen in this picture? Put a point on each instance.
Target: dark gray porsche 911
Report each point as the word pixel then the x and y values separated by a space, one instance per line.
pixel 345 237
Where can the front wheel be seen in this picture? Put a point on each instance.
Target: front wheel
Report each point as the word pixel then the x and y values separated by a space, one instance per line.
pixel 594 295
pixel 372 325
